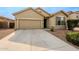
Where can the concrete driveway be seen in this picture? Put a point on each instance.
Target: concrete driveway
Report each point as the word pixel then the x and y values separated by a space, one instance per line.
pixel 34 40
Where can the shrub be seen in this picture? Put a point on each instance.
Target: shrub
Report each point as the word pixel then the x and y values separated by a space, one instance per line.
pixel 72 23
pixel 73 37
pixel 52 28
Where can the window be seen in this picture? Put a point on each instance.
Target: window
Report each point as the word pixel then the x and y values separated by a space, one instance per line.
pixel 60 20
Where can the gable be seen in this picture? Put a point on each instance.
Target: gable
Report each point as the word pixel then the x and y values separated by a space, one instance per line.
pixel 28 14
pixel 52 19
pixel 59 14
pixel 41 11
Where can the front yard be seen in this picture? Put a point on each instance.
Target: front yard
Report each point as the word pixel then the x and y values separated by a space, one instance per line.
pixel 62 35
pixel 5 32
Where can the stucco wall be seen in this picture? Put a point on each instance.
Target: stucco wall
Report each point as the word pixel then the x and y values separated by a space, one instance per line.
pixel 29 14
pixel 52 20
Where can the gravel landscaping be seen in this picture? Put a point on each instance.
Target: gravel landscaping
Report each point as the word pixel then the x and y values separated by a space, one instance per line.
pixel 62 35
pixel 5 32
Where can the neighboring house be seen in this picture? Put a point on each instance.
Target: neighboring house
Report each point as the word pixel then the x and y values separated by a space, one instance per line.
pixel 73 20
pixel 73 15
pixel 38 19
pixel 59 19
pixel 6 22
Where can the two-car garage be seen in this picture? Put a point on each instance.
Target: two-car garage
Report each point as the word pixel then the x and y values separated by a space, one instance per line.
pixel 28 19
pixel 29 24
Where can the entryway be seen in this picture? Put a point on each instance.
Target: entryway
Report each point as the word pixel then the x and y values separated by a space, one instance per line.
pixel 45 23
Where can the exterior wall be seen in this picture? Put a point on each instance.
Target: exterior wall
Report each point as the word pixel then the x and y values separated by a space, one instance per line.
pixel 27 15
pixel 5 23
pixel 73 16
pixel 52 20
pixel 42 24
pixel 16 24
pixel 15 27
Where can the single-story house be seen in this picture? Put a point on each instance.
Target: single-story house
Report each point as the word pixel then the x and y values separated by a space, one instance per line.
pixel 38 19
pixel 6 22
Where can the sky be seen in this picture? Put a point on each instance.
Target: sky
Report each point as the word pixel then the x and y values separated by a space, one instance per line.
pixel 8 11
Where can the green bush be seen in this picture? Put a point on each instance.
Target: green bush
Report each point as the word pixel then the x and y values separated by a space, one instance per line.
pixel 73 37
pixel 72 23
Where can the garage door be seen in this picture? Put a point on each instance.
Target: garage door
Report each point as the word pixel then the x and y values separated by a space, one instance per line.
pixel 29 24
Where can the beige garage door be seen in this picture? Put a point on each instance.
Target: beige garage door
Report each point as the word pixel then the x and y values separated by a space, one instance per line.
pixel 29 24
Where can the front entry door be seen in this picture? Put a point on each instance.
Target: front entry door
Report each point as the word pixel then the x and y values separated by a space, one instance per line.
pixel 45 23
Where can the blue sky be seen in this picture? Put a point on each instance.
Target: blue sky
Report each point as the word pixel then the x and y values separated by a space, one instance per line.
pixel 8 11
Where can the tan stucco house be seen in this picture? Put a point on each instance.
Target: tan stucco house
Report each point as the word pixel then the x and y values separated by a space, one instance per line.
pixel 39 19
pixel 6 22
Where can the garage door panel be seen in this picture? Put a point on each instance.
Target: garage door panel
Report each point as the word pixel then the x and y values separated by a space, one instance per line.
pixel 28 24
